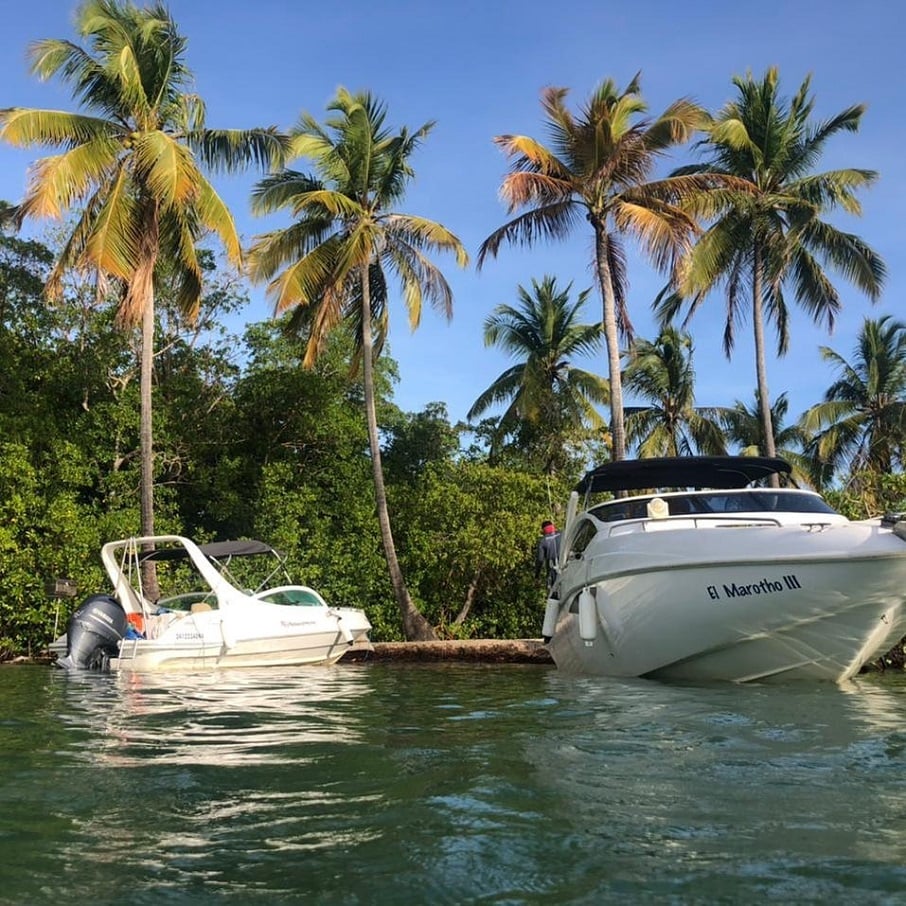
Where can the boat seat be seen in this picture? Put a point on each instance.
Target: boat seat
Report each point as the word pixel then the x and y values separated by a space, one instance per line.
pixel 657 508
pixel 200 607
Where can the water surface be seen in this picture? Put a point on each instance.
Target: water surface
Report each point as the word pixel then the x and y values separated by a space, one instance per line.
pixel 448 784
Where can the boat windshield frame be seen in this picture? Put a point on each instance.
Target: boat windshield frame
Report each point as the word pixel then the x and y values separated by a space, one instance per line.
pixel 715 502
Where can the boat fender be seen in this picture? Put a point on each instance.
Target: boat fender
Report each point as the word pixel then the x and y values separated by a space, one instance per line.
pixel 588 616
pixel 343 629
pixel 229 639
pixel 551 612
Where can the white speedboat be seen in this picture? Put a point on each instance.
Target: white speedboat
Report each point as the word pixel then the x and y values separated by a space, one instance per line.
pixel 225 614
pixel 723 580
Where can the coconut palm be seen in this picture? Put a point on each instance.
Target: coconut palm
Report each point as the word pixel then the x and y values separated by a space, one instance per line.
pixel 543 390
pixel 130 167
pixel 861 424
pixel 597 169
pixel 661 373
pixel 772 236
pixel 744 428
pixel 330 265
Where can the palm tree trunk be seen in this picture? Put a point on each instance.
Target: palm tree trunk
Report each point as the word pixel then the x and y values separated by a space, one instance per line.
pixel 612 339
pixel 415 626
pixel 140 298
pixel 761 370
pixel 146 444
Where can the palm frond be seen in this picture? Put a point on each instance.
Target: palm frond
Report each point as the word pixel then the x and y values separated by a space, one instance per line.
pixel 271 251
pixel 56 183
pixel 214 215
pixel 549 222
pixel 24 127
pixel 229 150
pixel 426 234
pixel 166 167
pixel 114 242
pixel 279 190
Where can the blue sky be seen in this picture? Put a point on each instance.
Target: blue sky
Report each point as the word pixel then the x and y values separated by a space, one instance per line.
pixel 477 69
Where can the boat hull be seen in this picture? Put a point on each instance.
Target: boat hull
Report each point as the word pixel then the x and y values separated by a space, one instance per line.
pixel 207 641
pixel 145 657
pixel 824 604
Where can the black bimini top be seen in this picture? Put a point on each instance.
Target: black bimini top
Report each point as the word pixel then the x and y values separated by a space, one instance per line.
pixel 681 472
pixel 216 550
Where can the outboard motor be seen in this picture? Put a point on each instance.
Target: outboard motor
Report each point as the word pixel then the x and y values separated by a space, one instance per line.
pixel 94 633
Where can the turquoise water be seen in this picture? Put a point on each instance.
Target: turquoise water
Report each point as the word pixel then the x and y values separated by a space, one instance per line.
pixel 448 784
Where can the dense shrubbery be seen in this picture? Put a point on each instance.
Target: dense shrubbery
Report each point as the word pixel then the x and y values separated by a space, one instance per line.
pixel 248 444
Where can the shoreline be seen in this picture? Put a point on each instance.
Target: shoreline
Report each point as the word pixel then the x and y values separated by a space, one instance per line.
pixel 490 651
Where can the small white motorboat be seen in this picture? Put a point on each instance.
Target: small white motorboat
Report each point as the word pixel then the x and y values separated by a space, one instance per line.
pixel 225 614
pixel 722 580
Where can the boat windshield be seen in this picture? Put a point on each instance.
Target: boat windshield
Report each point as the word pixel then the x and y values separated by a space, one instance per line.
pixel 292 596
pixel 703 503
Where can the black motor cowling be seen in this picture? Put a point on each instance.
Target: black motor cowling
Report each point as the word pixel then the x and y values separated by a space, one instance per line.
pixel 94 633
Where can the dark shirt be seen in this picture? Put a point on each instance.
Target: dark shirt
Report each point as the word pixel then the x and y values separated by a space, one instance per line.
pixel 547 555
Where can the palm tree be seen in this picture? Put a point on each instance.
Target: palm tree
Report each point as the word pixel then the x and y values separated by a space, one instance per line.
pixel 596 169
pixel 129 167
pixel 772 235
pixel 543 390
pixel 861 424
pixel 662 374
pixel 331 264
pixel 744 428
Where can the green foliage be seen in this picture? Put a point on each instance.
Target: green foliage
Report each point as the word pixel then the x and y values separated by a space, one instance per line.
pixel 468 535
pixel 771 232
pixel 416 440
pixel 325 526
pixel 869 494
pixel 44 533
pixel 860 427
pixel 549 401
pixel 596 169
pixel 661 374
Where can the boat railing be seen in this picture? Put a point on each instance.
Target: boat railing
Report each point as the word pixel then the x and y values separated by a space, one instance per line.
pixel 669 523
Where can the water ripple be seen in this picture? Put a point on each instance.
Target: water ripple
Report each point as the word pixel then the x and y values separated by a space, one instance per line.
pixel 448 784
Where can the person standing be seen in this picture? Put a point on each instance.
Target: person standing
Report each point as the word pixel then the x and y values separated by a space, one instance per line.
pixel 547 554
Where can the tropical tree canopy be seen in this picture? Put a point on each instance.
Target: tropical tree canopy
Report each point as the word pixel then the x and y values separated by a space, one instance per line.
pixel 597 168
pixel 771 235
pixel 662 374
pixel 331 266
pixel 345 222
pixel 861 424
pixel 130 167
pixel 543 392
pixel 131 162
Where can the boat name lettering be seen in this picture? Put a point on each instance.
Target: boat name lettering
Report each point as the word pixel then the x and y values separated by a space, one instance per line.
pixel 764 587
pixel 185 636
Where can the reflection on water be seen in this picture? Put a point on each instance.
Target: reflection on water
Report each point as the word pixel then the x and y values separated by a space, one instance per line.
pixel 448 784
pixel 221 718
